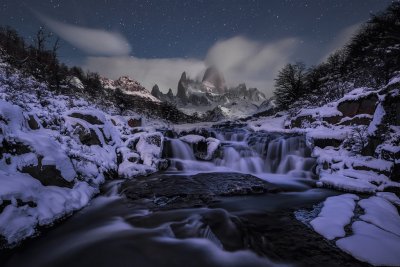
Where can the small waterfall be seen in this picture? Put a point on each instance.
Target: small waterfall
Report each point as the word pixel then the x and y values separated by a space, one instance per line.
pixel 247 152
pixel 181 150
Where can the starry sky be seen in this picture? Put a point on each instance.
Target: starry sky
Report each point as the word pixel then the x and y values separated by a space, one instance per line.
pixel 190 34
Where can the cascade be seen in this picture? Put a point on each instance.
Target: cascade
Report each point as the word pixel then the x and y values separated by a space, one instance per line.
pixel 248 152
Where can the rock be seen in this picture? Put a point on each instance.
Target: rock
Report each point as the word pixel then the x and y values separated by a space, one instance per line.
pixel 200 189
pixel 325 142
pixel 395 174
pixel 86 117
pixel 14 148
pixel 87 138
pixel 33 123
pixel 357 120
pixel 332 119
pixel 364 105
pixel 132 122
pixel 182 88
pixel 213 81
pixel 155 91
pixel 301 120
pixel 47 174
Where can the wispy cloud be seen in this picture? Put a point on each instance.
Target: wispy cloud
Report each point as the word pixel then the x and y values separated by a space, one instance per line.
pixel 91 41
pixel 240 59
pixel 164 72
pixel 256 63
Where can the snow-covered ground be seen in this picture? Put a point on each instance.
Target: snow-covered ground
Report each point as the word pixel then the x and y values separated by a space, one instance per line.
pixel 368 228
pixel 55 151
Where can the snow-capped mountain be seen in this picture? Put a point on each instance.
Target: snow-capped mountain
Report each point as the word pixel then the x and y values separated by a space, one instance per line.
pixel 128 86
pixel 213 96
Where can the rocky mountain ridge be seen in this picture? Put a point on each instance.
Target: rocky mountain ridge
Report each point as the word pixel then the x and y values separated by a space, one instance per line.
pixel 213 96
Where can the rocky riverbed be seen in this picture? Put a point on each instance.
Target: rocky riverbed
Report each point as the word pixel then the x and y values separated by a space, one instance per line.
pixel 205 219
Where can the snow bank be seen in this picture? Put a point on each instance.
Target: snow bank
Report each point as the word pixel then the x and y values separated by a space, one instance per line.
pixel 372 244
pixel 334 216
pixel 54 169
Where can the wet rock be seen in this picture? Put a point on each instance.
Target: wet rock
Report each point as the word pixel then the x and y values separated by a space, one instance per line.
pixel 364 105
pixel 177 191
pixel 87 117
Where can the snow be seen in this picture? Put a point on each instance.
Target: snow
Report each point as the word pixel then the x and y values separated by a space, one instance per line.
pixel 334 216
pixel 18 222
pixel 27 202
pixel 375 235
pixel 372 244
pixel 377 119
pixel 390 197
pixel 381 213
pixel 271 124
pixel 192 138
pixel 212 145
pixel 394 80
pixel 345 183
pixel 328 133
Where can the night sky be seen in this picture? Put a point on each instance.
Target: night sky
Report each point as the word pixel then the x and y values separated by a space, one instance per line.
pixel 182 30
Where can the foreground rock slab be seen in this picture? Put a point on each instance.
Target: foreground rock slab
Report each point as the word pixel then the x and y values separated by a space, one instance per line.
pixel 169 191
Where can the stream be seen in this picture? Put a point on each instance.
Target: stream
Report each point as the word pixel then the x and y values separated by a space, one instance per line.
pixel 235 210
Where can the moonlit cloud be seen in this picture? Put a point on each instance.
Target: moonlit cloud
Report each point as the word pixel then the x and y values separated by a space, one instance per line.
pixel 240 59
pixel 163 72
pixel 91 41
pixel 256 63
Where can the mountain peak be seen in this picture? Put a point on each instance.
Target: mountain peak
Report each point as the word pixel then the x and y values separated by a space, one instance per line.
pixel 213 81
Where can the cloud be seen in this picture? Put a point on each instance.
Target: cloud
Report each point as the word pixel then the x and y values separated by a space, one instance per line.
pixel 256 63
pixel 91 41
pixel 341 40
pixel 164 72
pixel 238 58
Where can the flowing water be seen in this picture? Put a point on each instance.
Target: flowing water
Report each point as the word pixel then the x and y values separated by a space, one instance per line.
pixel 113 231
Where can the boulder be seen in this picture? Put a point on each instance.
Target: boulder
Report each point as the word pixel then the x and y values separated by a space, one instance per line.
pixel 14 148
pixel 301 120
pixel 33 123
pixel 357 120
pixel 325 142
pixel 363 105
pixel 86 117
pixel 88 138
pixel 332 119
pixel 132 122
pixel 47 174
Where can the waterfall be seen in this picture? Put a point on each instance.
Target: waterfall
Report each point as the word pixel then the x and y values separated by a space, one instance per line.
pixel 248 152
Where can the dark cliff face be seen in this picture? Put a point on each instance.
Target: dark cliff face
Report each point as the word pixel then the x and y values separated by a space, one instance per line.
pixel 182 89
pixel 212 77
pixel 155 91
